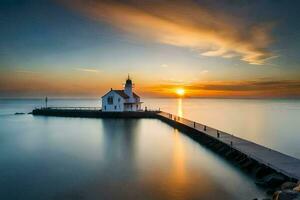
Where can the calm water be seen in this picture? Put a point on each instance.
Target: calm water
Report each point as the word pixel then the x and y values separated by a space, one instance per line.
pixel 272 123
pixel 71 158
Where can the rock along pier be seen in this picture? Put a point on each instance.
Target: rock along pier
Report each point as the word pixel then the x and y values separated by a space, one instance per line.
pixel 270 168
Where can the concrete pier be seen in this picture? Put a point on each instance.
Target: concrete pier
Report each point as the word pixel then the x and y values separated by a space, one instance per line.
pixel 90 112
pixel 281 163
pixel 255 158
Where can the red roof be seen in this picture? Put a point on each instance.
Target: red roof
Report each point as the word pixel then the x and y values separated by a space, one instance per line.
pixel 123 94
pixel 135 95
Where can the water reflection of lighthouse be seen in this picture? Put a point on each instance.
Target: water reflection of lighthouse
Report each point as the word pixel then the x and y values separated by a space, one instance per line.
pixel 120 146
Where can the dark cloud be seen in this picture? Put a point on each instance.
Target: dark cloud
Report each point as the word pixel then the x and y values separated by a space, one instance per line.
pixel 249 85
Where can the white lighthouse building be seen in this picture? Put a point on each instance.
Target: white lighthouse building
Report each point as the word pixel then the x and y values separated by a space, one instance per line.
pixel 121 100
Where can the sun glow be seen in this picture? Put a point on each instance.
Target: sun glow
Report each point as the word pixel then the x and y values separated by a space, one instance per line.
pixel 180 91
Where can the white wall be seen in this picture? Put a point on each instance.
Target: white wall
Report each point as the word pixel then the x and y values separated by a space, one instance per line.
pixel 118 103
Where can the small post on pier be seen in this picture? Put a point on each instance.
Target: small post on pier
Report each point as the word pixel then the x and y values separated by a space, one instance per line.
pixel 46 101
pixel 194 124
pixel 204 127
pixel 218 134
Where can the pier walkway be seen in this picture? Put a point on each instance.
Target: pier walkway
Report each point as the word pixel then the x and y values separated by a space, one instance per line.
pixel 280 162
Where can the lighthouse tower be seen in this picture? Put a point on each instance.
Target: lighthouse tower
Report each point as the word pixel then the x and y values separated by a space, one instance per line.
pixel 121 100
pixel 128 89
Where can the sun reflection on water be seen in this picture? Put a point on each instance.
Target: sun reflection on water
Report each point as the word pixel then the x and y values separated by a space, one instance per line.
pixel 179 170
pixel 179 107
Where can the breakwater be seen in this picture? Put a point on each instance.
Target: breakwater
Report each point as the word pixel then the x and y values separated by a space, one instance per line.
pixel 270 168
pixel 90 112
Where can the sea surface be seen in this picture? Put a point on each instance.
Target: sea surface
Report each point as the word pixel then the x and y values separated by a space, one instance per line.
pixel 45 158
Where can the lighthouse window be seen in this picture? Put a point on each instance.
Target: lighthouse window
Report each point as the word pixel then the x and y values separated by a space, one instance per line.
pixel 115 107
pixel 110 100
pixel 119 99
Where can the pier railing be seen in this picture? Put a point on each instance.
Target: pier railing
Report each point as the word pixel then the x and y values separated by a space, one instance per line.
pixel 192 124
pixel 70 108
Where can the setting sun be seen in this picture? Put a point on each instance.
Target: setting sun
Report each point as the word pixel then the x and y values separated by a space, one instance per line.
pixel 180 91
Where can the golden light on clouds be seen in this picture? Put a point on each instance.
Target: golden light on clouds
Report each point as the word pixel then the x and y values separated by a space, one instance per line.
pixel 185 24
pixel 68 83
pixel 91 70
pixel 91 84
pixel 233 89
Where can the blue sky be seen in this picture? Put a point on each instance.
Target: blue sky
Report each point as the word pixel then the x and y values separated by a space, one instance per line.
pixel 158 42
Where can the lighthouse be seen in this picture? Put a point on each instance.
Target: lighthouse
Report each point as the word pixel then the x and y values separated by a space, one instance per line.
pixel 121 100
pixel 128 87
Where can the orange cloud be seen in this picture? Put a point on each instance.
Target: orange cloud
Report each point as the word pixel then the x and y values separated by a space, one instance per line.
pixel 73 83
pixel 64 84
pixel 185 24
pixel 92 70
pixel 234 89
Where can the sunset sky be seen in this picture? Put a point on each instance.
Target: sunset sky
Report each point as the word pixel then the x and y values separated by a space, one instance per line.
pixel 210 48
